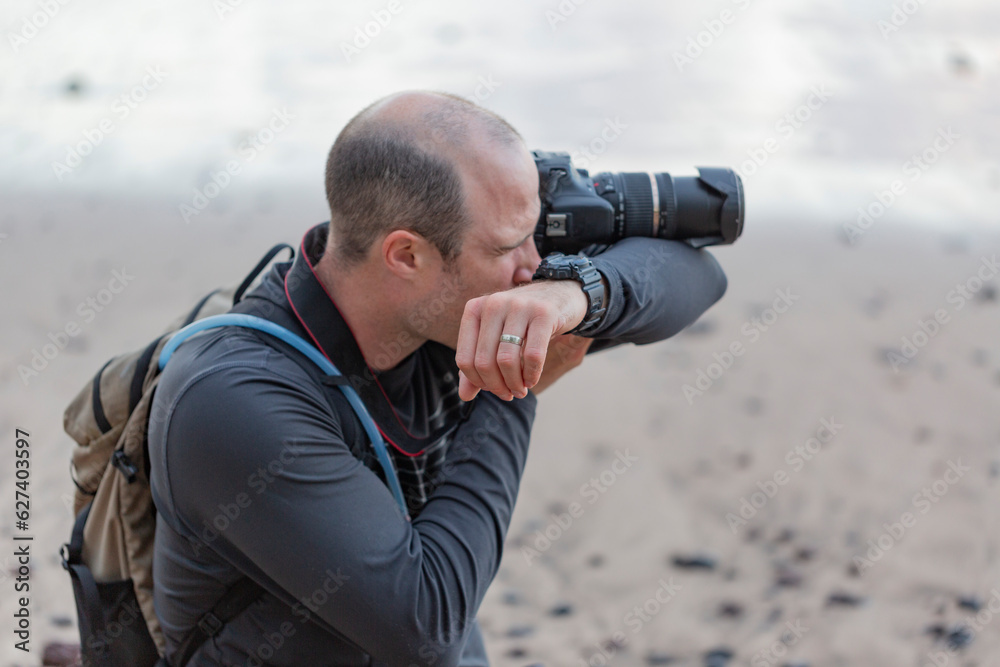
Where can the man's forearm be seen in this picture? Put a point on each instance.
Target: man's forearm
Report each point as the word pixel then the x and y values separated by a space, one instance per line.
pixel 655 288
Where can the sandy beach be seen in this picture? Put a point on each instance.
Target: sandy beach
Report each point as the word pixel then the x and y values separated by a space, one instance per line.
pixel 728 518
pixel 808 475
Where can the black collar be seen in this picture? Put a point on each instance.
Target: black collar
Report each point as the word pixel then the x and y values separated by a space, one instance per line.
pixel 326 328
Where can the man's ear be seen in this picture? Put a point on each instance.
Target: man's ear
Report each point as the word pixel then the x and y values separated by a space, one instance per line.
pixel 406 253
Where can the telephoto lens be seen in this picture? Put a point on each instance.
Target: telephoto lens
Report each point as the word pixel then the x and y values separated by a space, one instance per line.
pixel 578 210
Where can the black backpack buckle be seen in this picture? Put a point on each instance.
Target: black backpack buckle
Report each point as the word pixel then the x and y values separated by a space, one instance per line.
pixel 210 624
pixel 121 461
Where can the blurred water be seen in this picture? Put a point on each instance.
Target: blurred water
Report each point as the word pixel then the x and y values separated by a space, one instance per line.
pixel 557 71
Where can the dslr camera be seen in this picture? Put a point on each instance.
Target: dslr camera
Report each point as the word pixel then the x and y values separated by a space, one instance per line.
pixel 579 210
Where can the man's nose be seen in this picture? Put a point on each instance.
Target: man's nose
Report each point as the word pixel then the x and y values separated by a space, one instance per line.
pixel 529 263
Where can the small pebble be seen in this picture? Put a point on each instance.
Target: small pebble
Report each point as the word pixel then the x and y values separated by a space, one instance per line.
pixel 845 600
pixel 970 602
pixel 512 598
pixel 987 294
pixel 561 610
pixel 596 560
pixel 937 631
pixel 730 610
pixel 718 657
pixel 62 621
pixel 787 577
pixel 517 652
pixel 658 658
pixel 805 554
pixel 959 637
pixel 786 535
pixel 519 631
pixel 695 562
pixel 61 655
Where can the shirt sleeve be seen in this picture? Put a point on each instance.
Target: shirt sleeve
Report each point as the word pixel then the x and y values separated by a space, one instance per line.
pixel 657 287
pixel 262 446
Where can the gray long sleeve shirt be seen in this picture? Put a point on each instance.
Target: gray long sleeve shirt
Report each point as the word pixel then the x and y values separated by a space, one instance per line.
pixel 254 474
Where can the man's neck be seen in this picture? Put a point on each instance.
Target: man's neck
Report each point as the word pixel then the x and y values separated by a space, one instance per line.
pixel 383 342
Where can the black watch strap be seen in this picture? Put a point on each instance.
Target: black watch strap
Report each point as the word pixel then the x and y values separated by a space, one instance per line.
pixel 579 268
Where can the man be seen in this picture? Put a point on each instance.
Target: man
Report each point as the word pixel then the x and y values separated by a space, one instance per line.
pixel 427 261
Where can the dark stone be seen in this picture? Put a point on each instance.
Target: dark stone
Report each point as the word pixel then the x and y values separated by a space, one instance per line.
pixel 517 652
pixel 718 657
pixel 702 327
pixel 62 621
pixel 937 631
pixel 695 562
pixel 658 658
pixel 513 598
pixel 786 535
pixel 730 610
pixel 787 577
pixel 74 87
pixel 519 631
pixel 561 610
pixel 61 655
pixel 845 600
pixel 596 560
pixel 970 602
pixel 987 294
pixel 959 637
pixel 805 554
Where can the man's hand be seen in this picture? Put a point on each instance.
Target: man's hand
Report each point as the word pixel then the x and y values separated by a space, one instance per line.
pixel 536 312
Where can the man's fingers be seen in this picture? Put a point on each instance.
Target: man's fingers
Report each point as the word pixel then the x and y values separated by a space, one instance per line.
pixel 491 324
pixel 466 390
pixel 536 345
pixel 508 355
pixel 465 350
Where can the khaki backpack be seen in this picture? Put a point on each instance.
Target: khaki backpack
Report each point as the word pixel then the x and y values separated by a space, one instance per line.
pixel 110 553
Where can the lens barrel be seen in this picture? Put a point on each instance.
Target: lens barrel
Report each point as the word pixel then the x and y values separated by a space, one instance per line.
pixel 704 209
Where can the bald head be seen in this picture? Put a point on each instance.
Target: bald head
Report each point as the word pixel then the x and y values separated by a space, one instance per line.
pixel 401 164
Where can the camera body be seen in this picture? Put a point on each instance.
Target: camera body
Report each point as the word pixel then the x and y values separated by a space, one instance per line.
pixel 579 210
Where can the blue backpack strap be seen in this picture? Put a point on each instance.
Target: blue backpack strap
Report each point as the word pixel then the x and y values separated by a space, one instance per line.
pixel 314 355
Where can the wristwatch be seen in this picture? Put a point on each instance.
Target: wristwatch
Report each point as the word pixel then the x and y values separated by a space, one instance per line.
pixel 558 266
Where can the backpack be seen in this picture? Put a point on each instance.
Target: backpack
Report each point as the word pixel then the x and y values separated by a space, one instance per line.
pixel 110 553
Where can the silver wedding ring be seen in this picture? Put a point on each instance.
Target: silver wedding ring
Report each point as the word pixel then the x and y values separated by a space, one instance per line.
pixel 511 338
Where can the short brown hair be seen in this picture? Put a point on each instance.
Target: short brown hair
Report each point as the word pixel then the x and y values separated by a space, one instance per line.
pixel 381 176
